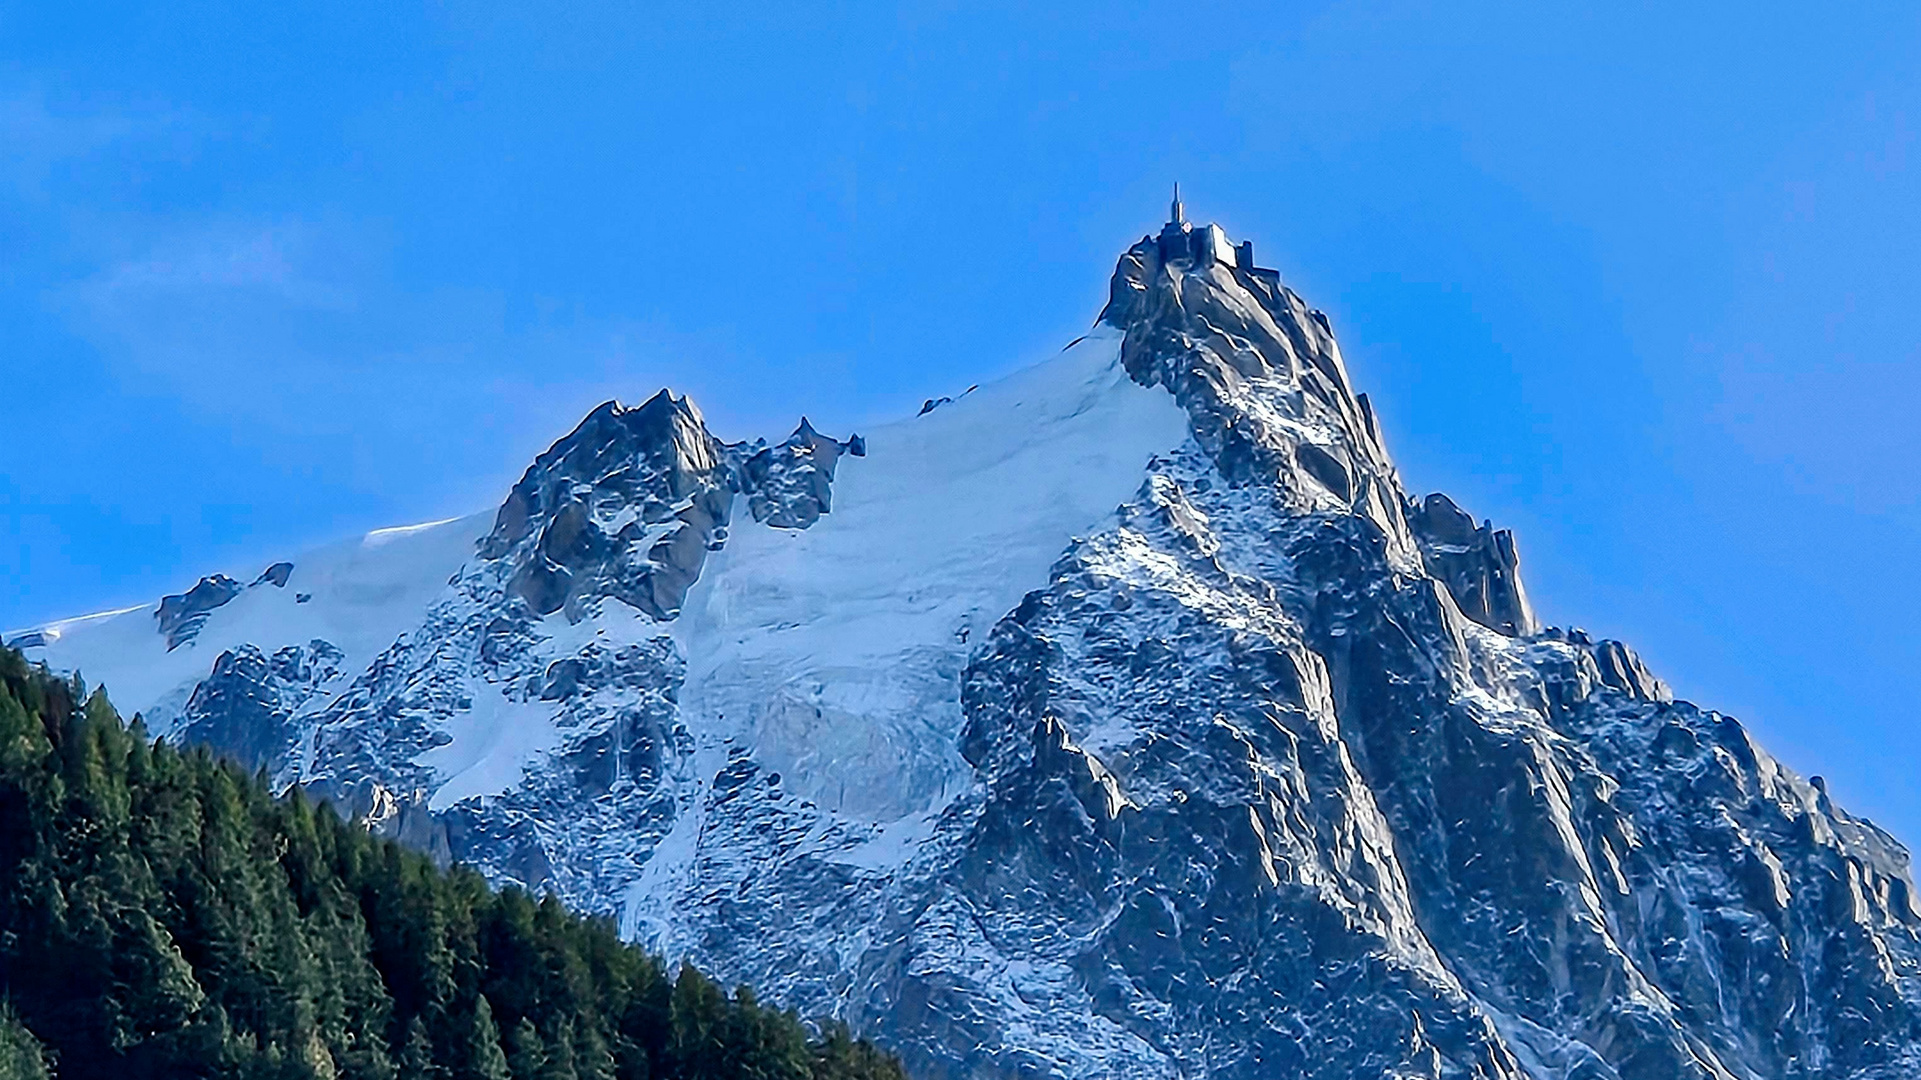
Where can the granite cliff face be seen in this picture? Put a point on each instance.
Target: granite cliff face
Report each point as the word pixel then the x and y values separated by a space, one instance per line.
pixel 1125 718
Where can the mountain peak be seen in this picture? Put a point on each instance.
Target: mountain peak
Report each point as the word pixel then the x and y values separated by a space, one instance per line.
pixel 1126 716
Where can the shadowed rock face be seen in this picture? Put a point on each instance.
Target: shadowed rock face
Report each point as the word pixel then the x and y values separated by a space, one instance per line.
pixel 626 506
pixel 1479 566
pixel 630 503
pixel 181 616
pixel 244 708
pixel 1274 775
pixel 789 486
pixel 1277 782
pixel 275 575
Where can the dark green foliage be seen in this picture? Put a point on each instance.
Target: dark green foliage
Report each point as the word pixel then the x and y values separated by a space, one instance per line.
pixel 20 1055
pixel 529 1054
pixel 838 1054
pixel 162 915
pixel 417 1054
pixel 485 1058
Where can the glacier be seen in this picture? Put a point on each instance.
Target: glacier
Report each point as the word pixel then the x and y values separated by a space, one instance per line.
pixel 1123 717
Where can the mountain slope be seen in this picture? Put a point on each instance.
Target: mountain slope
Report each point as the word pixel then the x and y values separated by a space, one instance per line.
pixel 1125 717
pixel 161 915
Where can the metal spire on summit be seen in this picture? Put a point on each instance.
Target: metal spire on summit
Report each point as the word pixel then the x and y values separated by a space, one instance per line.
pixel 1176 215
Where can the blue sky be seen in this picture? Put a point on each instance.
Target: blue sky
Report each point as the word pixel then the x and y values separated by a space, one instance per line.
pixel 1638 282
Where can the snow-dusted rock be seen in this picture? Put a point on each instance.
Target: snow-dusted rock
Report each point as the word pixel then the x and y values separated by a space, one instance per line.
pixel 244 707
pixel 1479 565
pixel 625 507
pixel 1122 718
pixel 790 486
pixel 181 616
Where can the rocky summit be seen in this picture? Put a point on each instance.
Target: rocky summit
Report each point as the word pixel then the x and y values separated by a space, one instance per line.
pixel 1123 718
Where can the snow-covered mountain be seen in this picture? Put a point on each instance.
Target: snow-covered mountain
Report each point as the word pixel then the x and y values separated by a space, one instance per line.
pixel 1123 718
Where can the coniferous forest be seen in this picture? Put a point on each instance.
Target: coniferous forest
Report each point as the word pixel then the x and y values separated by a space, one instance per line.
pixel 163 915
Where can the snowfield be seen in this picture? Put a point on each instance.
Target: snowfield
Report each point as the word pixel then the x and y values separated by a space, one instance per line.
pixel 835 652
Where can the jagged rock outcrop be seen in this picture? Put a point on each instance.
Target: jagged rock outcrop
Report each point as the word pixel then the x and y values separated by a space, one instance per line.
pixel 1479 565
pixel 276 575
pixel 626 506
pixel 1268 771
pixel 1614 664
pixel 630 503
pixel 243 709
pixel 790 486
pixel 181 616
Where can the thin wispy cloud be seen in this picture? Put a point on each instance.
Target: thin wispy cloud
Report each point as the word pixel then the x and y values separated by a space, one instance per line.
pixel 40 143
pixel 296 337
pixel 224 259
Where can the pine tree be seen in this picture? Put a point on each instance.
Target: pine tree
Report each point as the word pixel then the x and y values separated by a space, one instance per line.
pixel 485 1059
pixel 699 1010
pixel 763 1043
pixel 839 1056
pixel 354 1007
pixel 593 1059
pixel 529 1054
pixel 560 1055
pixel 21 1057
pixel 417 1061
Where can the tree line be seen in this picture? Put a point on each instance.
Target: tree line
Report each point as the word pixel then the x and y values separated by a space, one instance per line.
pixel 162 914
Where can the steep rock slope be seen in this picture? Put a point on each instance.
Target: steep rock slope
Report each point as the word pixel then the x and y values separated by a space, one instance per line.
pixel 1125 717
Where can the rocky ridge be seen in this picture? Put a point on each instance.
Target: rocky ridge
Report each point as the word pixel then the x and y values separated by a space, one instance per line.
pixel 1272 771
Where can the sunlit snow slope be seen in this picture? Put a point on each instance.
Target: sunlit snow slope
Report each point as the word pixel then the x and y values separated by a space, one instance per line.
pixel 836 651
pixel 833 651
pixel 358 594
